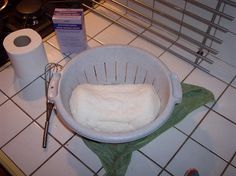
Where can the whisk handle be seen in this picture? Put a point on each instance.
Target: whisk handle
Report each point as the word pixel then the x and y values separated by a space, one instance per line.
pixel 53 86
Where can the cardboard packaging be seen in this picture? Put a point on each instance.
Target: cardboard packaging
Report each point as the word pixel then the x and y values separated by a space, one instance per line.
pixel 70 30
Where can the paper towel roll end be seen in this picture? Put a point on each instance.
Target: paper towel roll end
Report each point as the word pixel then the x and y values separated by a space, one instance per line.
pixel 26 53
pixel 21 41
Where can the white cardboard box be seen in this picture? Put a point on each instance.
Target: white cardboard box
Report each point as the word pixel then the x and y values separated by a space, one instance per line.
pixel 70 30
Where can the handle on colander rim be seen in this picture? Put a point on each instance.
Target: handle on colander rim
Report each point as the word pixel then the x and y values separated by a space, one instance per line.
pixel 53 86
pixel 177 89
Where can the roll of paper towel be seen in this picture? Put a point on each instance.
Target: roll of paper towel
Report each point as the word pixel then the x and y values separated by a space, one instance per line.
pixel 26 53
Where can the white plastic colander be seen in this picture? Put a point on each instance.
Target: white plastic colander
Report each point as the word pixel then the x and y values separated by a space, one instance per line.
pixel 115 64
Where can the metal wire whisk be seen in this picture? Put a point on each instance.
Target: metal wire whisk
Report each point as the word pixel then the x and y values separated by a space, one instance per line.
pixel 48 73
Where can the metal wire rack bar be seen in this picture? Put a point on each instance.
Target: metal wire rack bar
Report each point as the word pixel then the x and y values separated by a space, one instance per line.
pixel 171 30
pixel 195 16
pixel 156 24
pixel 150 40
pixel 169 17
pixel 209 27
pixel 157 34
pixel 210 9
pixel 229 2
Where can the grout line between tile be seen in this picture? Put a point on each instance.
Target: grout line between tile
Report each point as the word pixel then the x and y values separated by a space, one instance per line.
pixel 209 150
pixel 211 108
pixel 4 100
pixel 189 136
pixel 96 41
pixel 45 161
pixel 168 47
pixel 61 146
pixel 232 165
pixel 6 65
pixel 33 121
pixel 4 93
pixel 15 135
pixel 232 32
pixel 218 58
pixel 146 156
pixel 228 164
pixel 112 23
pixel 224 117
pixel 64 54
pixel 214 76
pixel 17 169
pixel 194 68
pixel 144 30
pixel 27 85
pixel 228 85
pixel 49 36
pixel 47 41
pixel 94 172
pixel 36 121
pixel 181 146
pixel 234 79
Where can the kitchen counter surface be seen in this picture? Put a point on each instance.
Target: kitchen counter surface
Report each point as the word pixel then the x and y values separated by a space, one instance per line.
pixel 205 140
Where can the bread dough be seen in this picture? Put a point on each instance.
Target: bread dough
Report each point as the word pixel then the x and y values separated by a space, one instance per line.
pixel 114 108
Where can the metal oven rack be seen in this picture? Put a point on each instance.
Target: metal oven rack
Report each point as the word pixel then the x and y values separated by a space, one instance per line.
pixel 149 9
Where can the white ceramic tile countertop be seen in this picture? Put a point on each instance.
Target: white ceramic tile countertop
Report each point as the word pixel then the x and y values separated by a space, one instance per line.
pixel 204 140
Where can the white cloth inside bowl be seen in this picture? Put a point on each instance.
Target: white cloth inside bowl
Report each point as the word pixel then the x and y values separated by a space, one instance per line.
pixel 114 108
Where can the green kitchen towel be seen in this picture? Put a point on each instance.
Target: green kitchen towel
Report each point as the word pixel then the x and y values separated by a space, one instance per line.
pixel 115 158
